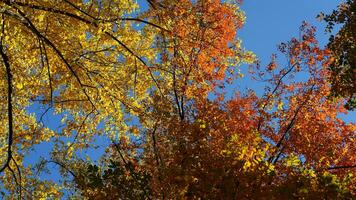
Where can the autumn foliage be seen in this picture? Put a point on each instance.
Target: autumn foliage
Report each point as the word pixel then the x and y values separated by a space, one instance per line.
pixel 152 83
pixel 342 45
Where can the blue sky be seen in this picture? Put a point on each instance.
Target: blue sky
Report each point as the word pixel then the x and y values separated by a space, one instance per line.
pixel 268 24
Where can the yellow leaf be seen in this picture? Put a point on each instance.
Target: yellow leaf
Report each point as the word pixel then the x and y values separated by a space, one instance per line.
pixel 41 17
pixel 280 105
pixel 19 86
pixel 28 137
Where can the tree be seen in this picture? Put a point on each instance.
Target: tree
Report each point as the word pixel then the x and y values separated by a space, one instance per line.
pixel 289 143
pixel 342 45
pixel 90 63
pixel 84 60
pixel 146 88
pixel 251 147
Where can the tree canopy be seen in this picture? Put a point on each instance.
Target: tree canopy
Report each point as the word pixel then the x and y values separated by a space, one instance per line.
pixel 342 45
pixel 153 83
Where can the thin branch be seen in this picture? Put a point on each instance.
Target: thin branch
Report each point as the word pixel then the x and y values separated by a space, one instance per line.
pixel 15 179
pixel 53 10
pixel 155 150
pixel 279 82
pixel 158 159
pixel 20 176
pixel 9 100
pixel 289 127
pixel 139 58
pixel 80 10
pixel 179 104
pixel 144 21
pixel 48 70
pixel 68 14
pixel 152 4
pixel 341 167
pixel 79 129
pixel 32 27
pixel 44 54
pixel 176 96
pixel 62 166
pixel 129 168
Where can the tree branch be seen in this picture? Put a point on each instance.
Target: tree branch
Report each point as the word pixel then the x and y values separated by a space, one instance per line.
pixel 342 167
pixel 279 82
pixel 32 27
pixel 289 127
pixel 77 17
pixel 9 100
